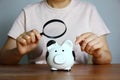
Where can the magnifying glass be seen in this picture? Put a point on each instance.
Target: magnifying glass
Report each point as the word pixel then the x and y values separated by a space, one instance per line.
pixel 54 28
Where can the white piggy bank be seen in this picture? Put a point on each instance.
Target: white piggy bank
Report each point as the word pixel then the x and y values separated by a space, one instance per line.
pixel 60 57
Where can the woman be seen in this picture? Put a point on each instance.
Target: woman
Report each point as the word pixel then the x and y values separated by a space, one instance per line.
pixel 85 29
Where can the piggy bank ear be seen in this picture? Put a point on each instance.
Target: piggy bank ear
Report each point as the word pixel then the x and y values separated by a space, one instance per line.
pixel 68 43
pixel 50 42
pixel 51 45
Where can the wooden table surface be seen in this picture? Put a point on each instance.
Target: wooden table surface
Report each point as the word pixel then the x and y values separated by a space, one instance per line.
pixel 43 72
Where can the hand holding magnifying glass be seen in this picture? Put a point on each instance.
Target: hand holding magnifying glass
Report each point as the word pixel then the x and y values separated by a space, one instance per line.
pixel 27 41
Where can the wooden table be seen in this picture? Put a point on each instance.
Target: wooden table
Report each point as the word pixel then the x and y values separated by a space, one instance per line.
pixel 43 72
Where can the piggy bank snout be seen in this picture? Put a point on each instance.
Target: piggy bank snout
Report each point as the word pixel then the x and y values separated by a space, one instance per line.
pixel 59 59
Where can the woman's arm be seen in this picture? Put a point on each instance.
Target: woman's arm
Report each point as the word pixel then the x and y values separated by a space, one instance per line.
pixel 9 53
pixel 13 50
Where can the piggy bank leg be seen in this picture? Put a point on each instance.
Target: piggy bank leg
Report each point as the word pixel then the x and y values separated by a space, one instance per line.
pixel 68 69
pixel 54 69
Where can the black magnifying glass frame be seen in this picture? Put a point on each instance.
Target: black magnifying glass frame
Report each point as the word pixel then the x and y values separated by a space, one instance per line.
pixel 51 21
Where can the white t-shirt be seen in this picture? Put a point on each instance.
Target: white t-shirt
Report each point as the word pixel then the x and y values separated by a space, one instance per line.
pixel 79 17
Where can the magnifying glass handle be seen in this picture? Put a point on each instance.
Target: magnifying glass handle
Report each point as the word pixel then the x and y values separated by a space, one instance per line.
pixel 41 33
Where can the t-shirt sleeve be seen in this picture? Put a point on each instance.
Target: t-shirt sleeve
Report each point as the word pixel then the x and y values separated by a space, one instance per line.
pixel 97 24
pixel 18 26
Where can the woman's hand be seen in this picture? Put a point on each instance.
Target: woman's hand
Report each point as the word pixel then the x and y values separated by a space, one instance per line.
pixel 90 43
pixel 95 46
pixel 28 41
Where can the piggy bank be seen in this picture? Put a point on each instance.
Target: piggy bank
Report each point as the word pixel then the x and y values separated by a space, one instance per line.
pixel 60 57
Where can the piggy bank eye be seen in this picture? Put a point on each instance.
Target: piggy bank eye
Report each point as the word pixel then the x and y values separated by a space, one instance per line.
pixel 55 50
pixel 62 50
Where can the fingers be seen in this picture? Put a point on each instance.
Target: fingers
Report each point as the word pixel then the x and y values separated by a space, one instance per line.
pixel 37 34
pixel 32 36
pixel 29 37
pixel 91 45
pixel 89 42
pixel 21 40
pixel 94 45
pixel 79 39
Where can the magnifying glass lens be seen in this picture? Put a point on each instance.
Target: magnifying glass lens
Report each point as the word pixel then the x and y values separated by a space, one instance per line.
pixel 54 29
